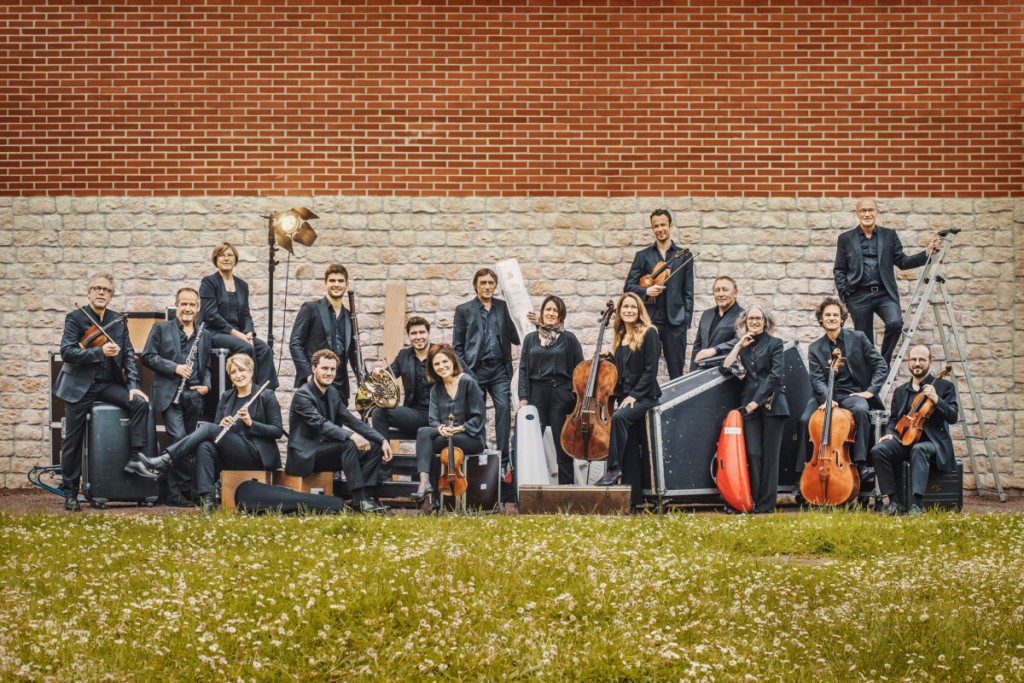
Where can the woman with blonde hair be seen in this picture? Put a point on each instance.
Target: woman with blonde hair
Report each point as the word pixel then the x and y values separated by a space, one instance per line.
pixel 637 349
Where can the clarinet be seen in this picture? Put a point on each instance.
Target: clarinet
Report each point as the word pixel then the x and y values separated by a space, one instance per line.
pixel 190 362
pixel 234 418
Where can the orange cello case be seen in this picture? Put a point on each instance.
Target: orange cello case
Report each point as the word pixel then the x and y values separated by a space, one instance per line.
pixel 732 477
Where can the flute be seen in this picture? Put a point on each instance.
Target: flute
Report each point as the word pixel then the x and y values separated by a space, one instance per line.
pixel 234 418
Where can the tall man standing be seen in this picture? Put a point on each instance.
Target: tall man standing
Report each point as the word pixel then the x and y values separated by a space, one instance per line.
pixel 716 332
pixel 669 305
pixel 935 445
pixel 863 272
pixel 483 339
pixel 98 373
pixel 326 437
pixel 325 324
pixel 168 349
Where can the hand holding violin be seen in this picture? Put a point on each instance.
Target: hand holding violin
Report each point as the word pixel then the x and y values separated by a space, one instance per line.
pixel 654 290
pixel 110 349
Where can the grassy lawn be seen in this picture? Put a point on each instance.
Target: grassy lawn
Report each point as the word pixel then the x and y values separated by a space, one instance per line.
pixel 837 596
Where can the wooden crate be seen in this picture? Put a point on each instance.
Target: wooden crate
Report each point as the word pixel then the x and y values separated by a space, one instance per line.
pixel 318 482
pixel 231 479
pixel 592 500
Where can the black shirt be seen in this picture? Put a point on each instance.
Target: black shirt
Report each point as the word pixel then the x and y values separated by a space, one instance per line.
pixel 421 388
pixel 869 251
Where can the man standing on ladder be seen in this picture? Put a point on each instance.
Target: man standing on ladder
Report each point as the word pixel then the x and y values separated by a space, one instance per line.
pixel 864 276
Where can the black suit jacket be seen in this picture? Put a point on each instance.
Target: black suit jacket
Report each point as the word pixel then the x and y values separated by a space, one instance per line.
pixel 678 290
pixel 404 368
pixel 163 355
pixel 765 365
pixel 81 366
pixel 724 338
pixel 468 337
pixel 312 332
pixel 867 367
pixel 265 429
pixel 935 427
pixel 849 266
pixel 311 428
pixel 213 300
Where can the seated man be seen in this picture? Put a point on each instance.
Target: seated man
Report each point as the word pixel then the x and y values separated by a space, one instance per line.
pixel 860 378
pixel 326 437
pixel 935 444
pixel 716 333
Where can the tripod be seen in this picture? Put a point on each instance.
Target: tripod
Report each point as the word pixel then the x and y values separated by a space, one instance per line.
pixel 931 290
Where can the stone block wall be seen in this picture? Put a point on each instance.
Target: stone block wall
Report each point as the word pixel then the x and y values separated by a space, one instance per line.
pixel 779 249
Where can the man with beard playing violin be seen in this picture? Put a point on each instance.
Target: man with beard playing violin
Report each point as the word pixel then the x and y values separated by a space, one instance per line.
pixel 935 444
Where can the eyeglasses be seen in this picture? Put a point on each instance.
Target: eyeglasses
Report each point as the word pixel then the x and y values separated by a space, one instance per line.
pixel 104 290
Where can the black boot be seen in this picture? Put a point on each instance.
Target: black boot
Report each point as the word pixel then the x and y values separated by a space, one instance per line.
pixel 71 503
pixel 610 478
pixel 161 462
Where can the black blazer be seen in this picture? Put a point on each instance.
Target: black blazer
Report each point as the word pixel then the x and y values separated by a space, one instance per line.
pixel 404 368
pixel 765 364
pixel 638 370
pixel 311 428
pixel 724 338
pixel 163 355
pixel 265 429
pixel 81 366
pixel 311 332
pixel 572 355
pixel 849 265
pixel 935 427
pixel 678 290
pixel 213 301
pixel 867 367
pixel 468 337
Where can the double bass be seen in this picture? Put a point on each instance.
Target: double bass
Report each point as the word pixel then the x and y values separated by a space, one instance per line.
pixel 587 429
pixel 910 427
pixel 452 481
pixel 830 478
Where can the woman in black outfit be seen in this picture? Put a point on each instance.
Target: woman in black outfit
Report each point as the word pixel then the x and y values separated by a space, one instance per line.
pixel 250 444
pixel 762 400
pixel 546 365
pixel 637 349
pixel 454 393
pixel 224 307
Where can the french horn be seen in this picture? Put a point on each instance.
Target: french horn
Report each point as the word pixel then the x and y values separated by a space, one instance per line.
pixel 384 392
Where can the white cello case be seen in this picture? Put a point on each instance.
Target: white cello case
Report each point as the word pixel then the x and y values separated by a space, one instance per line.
pixel 531 461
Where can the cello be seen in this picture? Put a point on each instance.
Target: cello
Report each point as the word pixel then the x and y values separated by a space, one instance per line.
pixel 911 426
pixel 452 481
pixel 661 273
pixel 830 478
pixel 587 429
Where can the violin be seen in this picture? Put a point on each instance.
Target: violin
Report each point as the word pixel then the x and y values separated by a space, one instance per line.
pixel 911 426
pixel 452 481
pixel 97 335
pixel 662 272
pixel 830 478
pixel 587 429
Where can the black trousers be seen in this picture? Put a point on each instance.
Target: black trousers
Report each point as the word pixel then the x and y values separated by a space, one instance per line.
pixel 180 421
pixel 554 402
pixel 859 408
pixel 890 454
pixel 262 355
pixel 429 443
pixel 75 415
pixel 361 468
pixel 673 346
pixel 404 421
pixel 233 452
pixel 863 304
pixel 494 380
pixel 623 451
pixel 762 436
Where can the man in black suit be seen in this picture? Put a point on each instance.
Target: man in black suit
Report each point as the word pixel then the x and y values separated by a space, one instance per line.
pixel 326 437
pixel 93 373
pixel 176 351
pixel 325 324
pixel 935 444
pixel 483 339
pixel 863 271
pixel 859 380
pixel 672 308
pixel 716 333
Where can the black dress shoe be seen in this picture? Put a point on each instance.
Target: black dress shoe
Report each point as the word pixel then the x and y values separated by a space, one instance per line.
pixel 208 503
pixel 610 478
pixel 158 463
pixel 867 474
pixel 419 496
pixel 368 507
pixel 892 509
pixel 71 504
pixel 915 510
pixel 179 502
pixel 136 467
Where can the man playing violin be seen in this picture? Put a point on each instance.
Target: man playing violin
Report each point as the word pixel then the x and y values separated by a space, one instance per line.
pixel 859 380
pixel 99 365
pixel 935 444
pixel 669 304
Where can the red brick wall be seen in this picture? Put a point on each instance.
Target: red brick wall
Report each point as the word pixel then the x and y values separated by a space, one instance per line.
pixel 512 98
